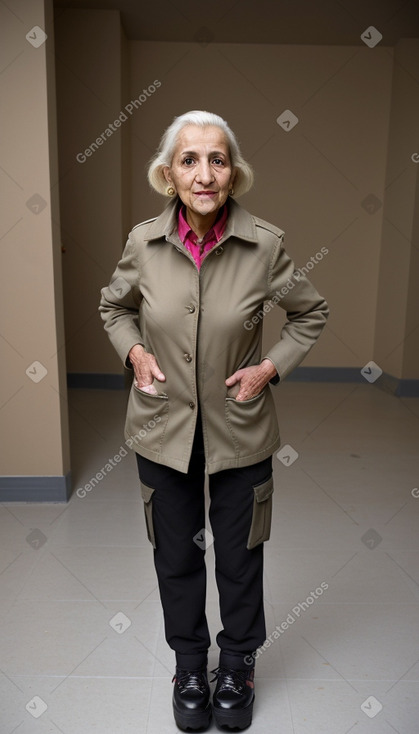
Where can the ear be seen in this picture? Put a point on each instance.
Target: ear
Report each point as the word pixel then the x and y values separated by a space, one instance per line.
pixel 233 176
pixel 166 174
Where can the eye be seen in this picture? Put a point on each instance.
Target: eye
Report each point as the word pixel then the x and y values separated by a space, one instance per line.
pixel 218 162
pixel 188 161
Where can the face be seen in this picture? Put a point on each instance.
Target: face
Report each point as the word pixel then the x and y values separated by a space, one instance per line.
pixel 201 170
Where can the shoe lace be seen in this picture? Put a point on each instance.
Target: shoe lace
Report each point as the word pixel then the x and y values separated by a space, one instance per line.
pixel 232 680
pixel 190 679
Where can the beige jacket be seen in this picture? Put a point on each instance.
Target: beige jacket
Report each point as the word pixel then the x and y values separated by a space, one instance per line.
pixel 202 326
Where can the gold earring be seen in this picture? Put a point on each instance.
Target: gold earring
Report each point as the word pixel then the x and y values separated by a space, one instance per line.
pixel 170 191
pixel 231 191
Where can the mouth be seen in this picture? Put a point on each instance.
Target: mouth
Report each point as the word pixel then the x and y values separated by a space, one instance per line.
pixel 205 193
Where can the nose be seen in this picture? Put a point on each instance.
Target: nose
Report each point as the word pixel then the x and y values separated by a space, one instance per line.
pixel 204 173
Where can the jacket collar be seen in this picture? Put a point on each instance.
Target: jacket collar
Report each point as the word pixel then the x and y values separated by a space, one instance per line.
pixel 239 223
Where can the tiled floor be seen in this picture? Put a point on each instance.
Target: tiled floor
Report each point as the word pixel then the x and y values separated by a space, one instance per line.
pixel 82 644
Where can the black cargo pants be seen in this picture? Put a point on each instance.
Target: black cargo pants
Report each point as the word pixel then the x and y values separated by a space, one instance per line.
pixel 240 517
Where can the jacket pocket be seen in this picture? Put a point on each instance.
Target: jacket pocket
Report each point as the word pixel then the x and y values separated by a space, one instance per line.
pixel 146 419
pixel 140 391
pixel 252 423
pixel 147 495
pixel 260 529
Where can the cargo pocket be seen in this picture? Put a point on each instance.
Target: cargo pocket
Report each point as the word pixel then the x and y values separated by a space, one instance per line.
pixel 147 495
pixel 260 529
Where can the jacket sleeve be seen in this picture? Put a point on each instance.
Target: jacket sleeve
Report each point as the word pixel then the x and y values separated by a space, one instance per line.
pixel 119 304
pixel 306 309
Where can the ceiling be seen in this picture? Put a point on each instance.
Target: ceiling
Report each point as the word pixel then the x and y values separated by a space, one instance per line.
pixel 325 22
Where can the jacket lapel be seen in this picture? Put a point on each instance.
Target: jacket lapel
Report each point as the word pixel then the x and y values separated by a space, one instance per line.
pixel 240 223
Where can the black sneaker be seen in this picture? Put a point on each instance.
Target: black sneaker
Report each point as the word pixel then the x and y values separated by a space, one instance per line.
pixel 233 698
pixel 191 699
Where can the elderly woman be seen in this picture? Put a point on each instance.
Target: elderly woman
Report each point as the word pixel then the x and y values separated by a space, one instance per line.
pixel 184 311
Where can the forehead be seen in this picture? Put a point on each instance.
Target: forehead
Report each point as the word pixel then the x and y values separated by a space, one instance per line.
pixel 192 137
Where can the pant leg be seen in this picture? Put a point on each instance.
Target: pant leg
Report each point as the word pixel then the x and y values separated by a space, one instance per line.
pixel 178 514
pixel 239 571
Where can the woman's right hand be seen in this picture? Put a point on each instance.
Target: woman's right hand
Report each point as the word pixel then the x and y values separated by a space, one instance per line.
pixel 145 369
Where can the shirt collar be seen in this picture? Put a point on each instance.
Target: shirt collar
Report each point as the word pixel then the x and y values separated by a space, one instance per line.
pixel 216 230
pixel 239 223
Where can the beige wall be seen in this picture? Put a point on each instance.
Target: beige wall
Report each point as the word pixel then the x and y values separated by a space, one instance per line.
pixel 358 116
pixel 309 181
pixel 33 415
pixel 411 342
pixel 92 79
pixel 397 325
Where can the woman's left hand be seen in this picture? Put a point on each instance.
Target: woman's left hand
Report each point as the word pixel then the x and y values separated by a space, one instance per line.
pixel 252 379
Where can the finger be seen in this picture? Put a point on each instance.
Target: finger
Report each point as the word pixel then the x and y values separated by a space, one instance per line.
pixel 232 379
pixel 246 395
pixel 156 371
pixel 243 392
pixel 234 390
pixel 150 389
pixel 158 374
pixel 146 388
pixel 248 389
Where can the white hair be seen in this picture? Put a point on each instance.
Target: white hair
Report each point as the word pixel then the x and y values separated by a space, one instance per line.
pixel 164 155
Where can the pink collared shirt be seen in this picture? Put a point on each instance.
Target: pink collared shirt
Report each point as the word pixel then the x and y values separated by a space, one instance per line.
pixel 199 248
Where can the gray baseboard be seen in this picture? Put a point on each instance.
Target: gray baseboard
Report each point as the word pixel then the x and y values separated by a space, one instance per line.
pixel 35 488
pixel 399 388
pixel 58 489
pixel 96 381
pixel 326 374
pixel 408 389
pixel 388 383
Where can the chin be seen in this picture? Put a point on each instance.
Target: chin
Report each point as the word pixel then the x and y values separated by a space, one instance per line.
pixel 205 207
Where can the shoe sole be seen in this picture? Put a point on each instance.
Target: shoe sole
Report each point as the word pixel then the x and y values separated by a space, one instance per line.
pixel 193 720
pixel 234 718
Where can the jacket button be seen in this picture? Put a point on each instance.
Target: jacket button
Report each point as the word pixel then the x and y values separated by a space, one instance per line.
pixel 219 250
pixel 188 357
pixel 191 309
pixel 191 405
